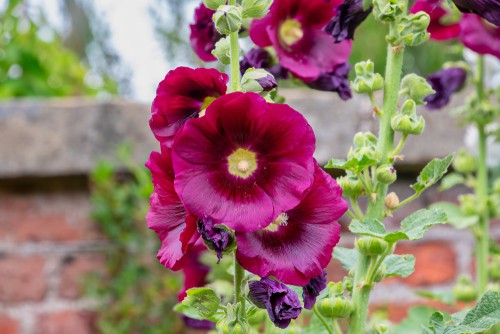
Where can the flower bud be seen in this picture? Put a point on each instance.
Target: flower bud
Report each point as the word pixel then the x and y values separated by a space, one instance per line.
pixel 391 200
pixel 468 204
pixel 233 322
pixel 335 289
pixel 258 81
pixel 362 139
pixel 386 174
pixel 381 328
pixel 228 19
pixel 347 283
pixel 413 28
pixel 371 245
pixel 416 88
pixel 214 4
pixel 351 186
pixel 222 51
pixel 388 10
pixel 365 147
pixel 338 307
pixel 380 274
pixel 219 238
pixel 464 291
pixel 464 162
pixel 255 9
pixel 366 81
pixel 407 121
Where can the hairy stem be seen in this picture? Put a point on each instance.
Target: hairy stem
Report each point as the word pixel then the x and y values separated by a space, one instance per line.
pixel 239 276
pixel 323 321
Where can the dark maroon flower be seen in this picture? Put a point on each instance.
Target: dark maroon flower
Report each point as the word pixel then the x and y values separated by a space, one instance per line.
pixel 487 9
pixel 281 302
pixel 350 15
pixel 480 36
pixel 295 29
pixel 217 238
pixel 245 162
pixel 445 83
pixel 203 33
pixel 438 29
pixel 183 94
pixel 336 81
pixel 313 289
pixel 260 58
pixel 175 226
pixel 299 243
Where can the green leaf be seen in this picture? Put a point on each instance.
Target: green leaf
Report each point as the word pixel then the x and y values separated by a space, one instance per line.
pixel 348 257
pixel 396 236
pixel 451 180
pixel 417 316
pixel 188 311
pixel 432 173
pixel 203 300
pixel 369 227
pixel 336 163
pixel 455 216
pixel 446 296
pixel 399 265
pixel 418 222
pixel 355 165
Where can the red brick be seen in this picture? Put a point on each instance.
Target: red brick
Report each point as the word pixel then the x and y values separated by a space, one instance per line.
pixel 75 270
pixel 435 262
pixel 9 325
pixel 22 279
pixel 66 322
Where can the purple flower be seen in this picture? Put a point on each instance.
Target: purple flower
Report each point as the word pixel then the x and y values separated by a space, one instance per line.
pixel 197 324
pixel 336 81
pixel 487 9
pixel 313 289
pixel 298 245
pixel 350 15
pixel 245 162
pixel 216 238
pixel 445 83
pixel 268 83
pixel 295 29
pixel 479 35
pixel 439 31
pixel 281 302
pixel 204 35
pixel 260 58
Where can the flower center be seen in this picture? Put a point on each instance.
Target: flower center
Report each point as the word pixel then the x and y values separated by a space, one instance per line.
pixel 282 220
pixel 242 163
pixel 206 102
pixel 290 32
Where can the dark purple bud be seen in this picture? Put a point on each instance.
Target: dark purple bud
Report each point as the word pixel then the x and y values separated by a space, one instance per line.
pixel 445 83
pixel 336 81
pixel 281 302
pixel 349 16
pixel 487 9
pixel 256 58
pixel 218 238
pixel 197 324
pixel 313 289
pixel 268 83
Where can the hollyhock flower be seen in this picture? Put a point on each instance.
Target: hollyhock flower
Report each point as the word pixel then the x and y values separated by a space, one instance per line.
pixel 350 15
pixel 175 227
pixel 184 93
pixel 281 302
pixel 295 29
pixel 245 162
pixel 217 238
pixel 313 289
pixel 203 33
pixel 260 58
pixel 299 243
pixel 438 29
pixel 487 9
pixel 479 35
pixel 336 81
pixel 445 83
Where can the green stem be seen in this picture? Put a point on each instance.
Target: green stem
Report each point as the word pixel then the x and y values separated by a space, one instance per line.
pixel 406 201
pixel 239 276
pixel 235 56
pixel 325 324
pixel 336 327
pixel 360 297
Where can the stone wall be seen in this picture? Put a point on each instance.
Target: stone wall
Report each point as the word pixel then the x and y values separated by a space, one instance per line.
pixel 48 242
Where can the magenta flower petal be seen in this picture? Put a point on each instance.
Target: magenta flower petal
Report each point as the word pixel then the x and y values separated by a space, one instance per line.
pixel 182 95
pixel 204 35
pixel 438 30
pixel 299 244
pixel 244 162
pixel 175 227
pixel 480 36
pixel 487 9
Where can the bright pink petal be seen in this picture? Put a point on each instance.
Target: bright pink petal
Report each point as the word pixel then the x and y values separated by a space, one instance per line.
pixel 480 36
pixel 438 30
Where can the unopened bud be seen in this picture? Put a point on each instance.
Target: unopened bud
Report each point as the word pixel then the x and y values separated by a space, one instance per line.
pixel 228 19
pixel 214 4
pixel 464 162
pixel 464 291
pixel 380 274
pixel 372 245
pixel 233 322
pixel 351 185
pixel 222 51
pixel 258 81
pixel 388 10
pixel 413 28
pixel 407 121
pixel 468 204
pixel 416 88
pixel 386 174
pixel 335 289
pixel 391 200
pixel 381 328
pixel 255 8
pixel 338 307
pixel 366 81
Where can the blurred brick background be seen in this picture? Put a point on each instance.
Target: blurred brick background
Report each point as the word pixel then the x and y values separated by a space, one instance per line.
pixel 48 243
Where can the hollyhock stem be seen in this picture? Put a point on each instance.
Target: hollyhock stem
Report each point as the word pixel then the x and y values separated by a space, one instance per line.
pixel 239 276
pixel 360 296
pixel 325 324
pixel 235 56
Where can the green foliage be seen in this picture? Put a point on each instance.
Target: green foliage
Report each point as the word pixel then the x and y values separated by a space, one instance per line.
pixel 451 180
pixel 417 316
pixel 399 265
pixel 203 300
pixel 135 295
pixel 432 173
pixel 456 217
pixel 34 61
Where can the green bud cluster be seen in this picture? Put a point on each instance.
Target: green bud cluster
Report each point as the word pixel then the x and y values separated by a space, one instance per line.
pixel 233 322
pixel 255 8
pixel 228 19
pixel 372 246
pixel 464 291
pixel 468 204
pixel 335 305
pixel 464 162
pixel 388 10
pixel 413 29
pixel 366 81
pixel 416 88
pixel 222 51
pixel 386 174
pixel 407 121
pixel 351 185
pixel 365 146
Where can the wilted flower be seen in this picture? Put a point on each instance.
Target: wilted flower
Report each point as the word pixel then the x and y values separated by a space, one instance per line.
pixel 479 35
pixel 336 81
pixel 175 226
pixel 184 93
pixel 245 162
pixel 260 58
pixel 281 302
pixel 438 29
pixel 298 245
pixel 487 9
pixel 445 82
pixel 203 33
pixel 218 238
pixel 295 29
pixel 312 290
pixel 350 15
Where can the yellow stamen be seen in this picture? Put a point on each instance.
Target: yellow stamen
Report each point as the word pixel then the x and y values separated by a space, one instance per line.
pixel 281 220
pixel 242 163
pixel 290 32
